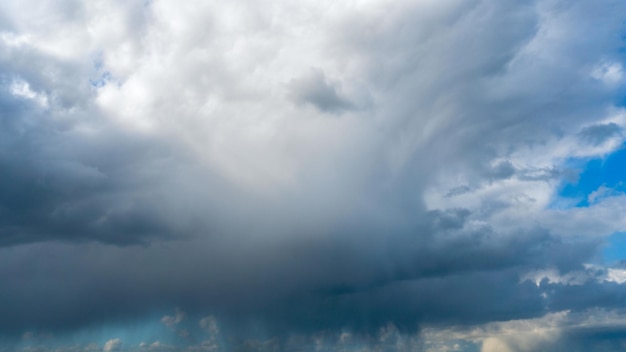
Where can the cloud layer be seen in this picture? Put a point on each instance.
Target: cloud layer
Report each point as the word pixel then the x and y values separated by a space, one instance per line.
pixel 369 168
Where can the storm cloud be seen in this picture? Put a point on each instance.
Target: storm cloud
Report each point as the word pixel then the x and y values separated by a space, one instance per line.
pixel 364 175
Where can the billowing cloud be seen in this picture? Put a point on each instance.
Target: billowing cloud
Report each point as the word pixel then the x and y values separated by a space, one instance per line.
pixel 349 175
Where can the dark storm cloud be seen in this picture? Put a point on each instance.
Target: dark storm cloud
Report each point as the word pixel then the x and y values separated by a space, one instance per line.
pixel 59 184
pixel 245 210
pixel 433 274
pixel 590 294
pixel 45 197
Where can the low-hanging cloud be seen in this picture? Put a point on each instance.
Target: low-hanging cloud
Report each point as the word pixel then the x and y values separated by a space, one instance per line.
pixel 363 169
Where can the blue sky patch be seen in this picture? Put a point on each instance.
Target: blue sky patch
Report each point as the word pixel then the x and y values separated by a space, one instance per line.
pixel 616 248
pixel 609 172
pixel 598 178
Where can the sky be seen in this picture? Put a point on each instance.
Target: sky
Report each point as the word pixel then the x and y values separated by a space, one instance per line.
pixel 358 175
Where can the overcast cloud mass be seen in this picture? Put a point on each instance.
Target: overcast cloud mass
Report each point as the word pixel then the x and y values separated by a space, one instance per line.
pixel 359 175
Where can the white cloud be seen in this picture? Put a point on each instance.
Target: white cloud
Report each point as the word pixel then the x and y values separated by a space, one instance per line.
pixel 604 192
pixel 552 275
pixel 22 89
pixel 616 275
pixel 112 345
pixel 610 73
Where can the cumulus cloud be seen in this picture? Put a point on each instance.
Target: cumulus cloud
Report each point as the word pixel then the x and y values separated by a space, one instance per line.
pixel 364 169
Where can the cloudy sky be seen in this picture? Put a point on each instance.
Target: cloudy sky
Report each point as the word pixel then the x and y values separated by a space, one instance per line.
pixel 359 175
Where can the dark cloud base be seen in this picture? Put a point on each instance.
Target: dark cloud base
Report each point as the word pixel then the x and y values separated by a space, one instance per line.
pixel 160 170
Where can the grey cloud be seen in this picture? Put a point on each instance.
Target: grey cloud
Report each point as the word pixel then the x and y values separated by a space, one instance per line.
pixel 546 173
pixel 58 186
pixel 598 134
pixel 61 183
pixel 502 170
pixel 590 294
pixel 458 191
pixel 346 240
pixel 357 283
pixel 449 219
pixel 594 339
pixel 315 89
